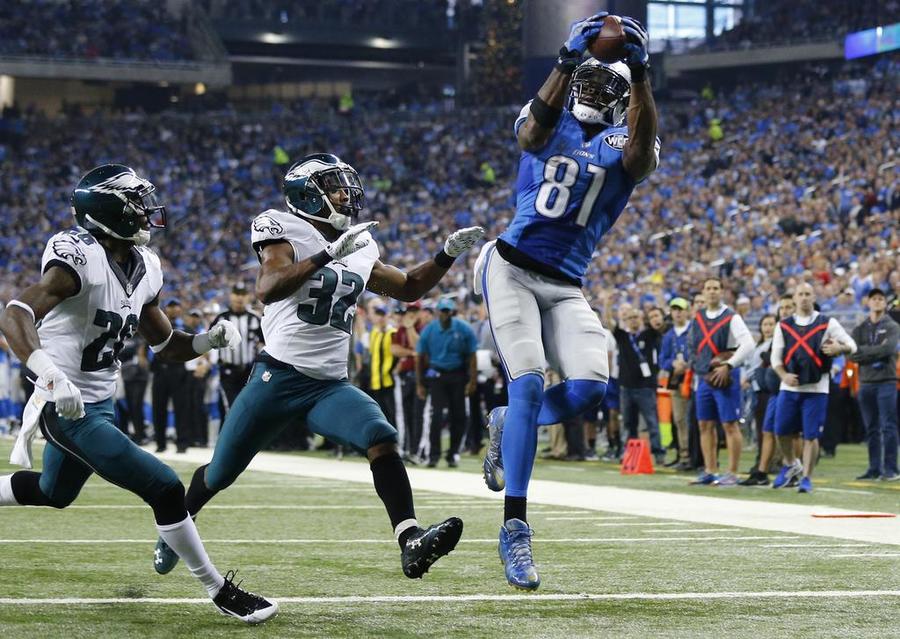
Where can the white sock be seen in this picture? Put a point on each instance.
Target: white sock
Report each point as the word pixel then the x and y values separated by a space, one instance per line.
pixel 184 539
pixel 403 526
pixel 6 492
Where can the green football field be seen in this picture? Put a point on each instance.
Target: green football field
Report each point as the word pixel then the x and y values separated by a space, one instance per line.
pixel 323 547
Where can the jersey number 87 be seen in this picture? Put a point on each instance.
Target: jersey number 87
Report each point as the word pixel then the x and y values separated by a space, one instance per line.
pixel 553 196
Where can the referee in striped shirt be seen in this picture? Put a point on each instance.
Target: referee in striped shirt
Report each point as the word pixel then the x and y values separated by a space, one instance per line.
pixel 235 364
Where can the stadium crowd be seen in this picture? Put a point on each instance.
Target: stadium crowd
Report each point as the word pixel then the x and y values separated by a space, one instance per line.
pixel 764 185
pixel 798 21
pixel 120 29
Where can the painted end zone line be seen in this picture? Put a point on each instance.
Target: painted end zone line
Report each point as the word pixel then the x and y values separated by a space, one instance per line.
pixel 621 596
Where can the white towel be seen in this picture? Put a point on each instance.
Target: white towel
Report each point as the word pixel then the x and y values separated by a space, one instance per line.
pixel 21 452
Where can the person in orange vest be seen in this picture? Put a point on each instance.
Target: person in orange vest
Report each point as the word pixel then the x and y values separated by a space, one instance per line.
pixel 802 348
pixel 715 332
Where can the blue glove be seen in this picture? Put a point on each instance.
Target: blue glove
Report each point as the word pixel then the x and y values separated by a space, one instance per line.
pixel 638 47
pixel 582 31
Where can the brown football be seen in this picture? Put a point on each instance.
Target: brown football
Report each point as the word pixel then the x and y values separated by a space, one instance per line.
pixel 608 45
pixel 724 356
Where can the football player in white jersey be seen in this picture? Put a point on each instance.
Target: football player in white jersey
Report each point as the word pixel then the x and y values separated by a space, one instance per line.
pixel 99 284
pixel 314 264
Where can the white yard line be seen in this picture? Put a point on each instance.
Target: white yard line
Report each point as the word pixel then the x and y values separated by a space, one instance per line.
pixel 868 555
pixel 815 545
pixel 529 598
pixel 645 524
pixel 706 509
pixel 588 517
pixel 845 490
pixel 490 540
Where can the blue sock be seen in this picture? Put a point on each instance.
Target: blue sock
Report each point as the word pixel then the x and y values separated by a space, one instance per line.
pixel 569 399
pixel 519 443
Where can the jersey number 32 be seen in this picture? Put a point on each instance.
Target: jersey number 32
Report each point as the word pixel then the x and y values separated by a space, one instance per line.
pixel 327 310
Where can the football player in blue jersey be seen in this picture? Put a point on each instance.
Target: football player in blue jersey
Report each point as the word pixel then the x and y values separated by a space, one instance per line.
pixel 587 138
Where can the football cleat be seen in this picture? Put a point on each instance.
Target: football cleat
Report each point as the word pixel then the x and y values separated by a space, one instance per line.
pixel 493 460
pixel 515 553
pixel 426 546
pixel 755 478
pixel 233 601
pixel 805 485
pixel 164 558
pixel 787 474
pixel 727 480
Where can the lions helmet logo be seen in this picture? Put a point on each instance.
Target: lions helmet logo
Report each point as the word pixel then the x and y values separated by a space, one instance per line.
pixel 265 224
pixel 616 140
pixel 67 251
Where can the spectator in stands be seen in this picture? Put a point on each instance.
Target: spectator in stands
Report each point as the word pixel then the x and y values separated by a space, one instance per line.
pixel 877 338
pixel 673 361
pixel 446 360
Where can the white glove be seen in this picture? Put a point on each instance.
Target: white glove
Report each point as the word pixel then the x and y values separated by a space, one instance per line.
pixel 462 240
pixel 69 404
pixel 348 243
pixel 223 335
pixel 66 396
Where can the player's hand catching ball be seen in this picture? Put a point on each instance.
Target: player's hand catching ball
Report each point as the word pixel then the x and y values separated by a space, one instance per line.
pixel 349 242
pixel 638 46
pixel 224 335
pixel 582 31
pixel 462 240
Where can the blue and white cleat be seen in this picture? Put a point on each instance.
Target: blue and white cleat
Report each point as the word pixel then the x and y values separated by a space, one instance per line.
pixel 515 553
pixel 786 474
pixel 493 460
pixel 805 485
pixel 706 479
pixel 164 558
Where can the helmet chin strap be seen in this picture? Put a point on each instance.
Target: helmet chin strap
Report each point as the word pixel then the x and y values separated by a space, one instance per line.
pixel 337 220
pixel 141 238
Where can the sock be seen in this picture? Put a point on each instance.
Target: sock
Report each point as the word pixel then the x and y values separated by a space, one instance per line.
pixel 515 508
pixel 392 486
pixel 184 539
pixel 7 497
pixel 519 443
pixel 569 399
pixel 25 486
pixel 198 494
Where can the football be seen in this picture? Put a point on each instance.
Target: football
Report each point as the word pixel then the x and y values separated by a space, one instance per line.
pixel 724 356
pixel 608 45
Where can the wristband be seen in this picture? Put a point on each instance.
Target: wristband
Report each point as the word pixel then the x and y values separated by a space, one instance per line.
pixel 200 343
pixel 321 258
pixel 544 114
pixel 638 73
pixel 159 347
pixel 42 366
pixel 23 306
pixel 443 260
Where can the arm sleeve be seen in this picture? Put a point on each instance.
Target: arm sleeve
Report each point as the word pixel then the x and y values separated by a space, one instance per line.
pixel 777 348
pixel 742 338
pixel 523 115
pixel 836 332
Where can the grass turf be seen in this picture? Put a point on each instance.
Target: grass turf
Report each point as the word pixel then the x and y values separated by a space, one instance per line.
pixel 629 556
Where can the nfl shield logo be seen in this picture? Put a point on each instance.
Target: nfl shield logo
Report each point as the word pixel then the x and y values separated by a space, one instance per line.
pixel 266 376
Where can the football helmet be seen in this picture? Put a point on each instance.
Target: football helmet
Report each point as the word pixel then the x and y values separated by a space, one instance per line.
pixel 599 92
pixel 309 182
pixel 112 200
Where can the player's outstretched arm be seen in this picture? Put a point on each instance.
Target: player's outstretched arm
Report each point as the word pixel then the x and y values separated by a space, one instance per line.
pixel 411 285
pixel 279 276
pixel 640 155
pixel 17 323
pixel 546 107
pixel 178 346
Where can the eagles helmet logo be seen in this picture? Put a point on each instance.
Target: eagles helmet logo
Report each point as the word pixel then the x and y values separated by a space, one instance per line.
pixel 265 224
pixel 67 251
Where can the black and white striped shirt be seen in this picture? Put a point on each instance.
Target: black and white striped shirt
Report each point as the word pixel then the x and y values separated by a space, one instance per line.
pixel 248 323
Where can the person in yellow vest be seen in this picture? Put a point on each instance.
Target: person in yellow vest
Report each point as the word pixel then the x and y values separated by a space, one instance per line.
pixel 381 340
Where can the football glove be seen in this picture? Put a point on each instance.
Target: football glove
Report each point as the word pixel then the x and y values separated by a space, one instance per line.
pixel 638 46
pixel 223 335
pixel 349 243
pixel 66 396
pixel 462 240
pixel 582 31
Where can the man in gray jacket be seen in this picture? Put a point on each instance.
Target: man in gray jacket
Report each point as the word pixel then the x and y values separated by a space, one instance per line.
pixel 876 338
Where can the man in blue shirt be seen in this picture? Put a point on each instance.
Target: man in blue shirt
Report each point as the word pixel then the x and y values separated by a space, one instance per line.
pixel 446 361
pixel 673 358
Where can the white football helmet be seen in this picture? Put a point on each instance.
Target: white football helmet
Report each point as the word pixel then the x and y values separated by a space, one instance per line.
pixel 599 92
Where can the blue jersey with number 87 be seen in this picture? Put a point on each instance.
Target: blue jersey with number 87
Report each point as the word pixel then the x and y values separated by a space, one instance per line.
pixel 569 194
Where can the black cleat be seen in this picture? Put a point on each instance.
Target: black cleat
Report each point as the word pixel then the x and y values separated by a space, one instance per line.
pixel 428 545
pixel 235 602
